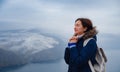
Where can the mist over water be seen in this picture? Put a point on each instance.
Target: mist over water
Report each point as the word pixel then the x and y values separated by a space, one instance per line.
pixel 60 66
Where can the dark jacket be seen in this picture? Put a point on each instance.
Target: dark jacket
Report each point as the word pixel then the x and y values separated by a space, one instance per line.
pixel 77 57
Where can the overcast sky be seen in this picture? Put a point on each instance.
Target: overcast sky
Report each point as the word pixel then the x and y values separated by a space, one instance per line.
pixel 59 15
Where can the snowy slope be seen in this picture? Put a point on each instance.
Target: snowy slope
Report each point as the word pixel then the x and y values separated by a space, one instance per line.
pixel 27 46
pixel 26 41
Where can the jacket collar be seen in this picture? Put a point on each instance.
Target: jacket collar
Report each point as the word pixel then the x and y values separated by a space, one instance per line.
pixel 92 33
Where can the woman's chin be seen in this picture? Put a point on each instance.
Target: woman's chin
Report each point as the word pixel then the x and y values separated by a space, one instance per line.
pixel 76 33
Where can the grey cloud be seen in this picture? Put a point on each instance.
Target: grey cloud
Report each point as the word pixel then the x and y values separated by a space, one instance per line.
pixel 1 2
pixel 53 13
pixel 85 3
pixel 109 41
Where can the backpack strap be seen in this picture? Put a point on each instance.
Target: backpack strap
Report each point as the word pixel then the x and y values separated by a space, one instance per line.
pixel 89 62
pixel 103 54
pixel 91 66
pixel 86 41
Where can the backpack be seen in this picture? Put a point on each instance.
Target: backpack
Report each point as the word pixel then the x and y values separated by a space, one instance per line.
pixel 100 59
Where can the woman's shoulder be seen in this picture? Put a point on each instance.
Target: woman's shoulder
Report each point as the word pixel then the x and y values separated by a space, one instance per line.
pixel 90 41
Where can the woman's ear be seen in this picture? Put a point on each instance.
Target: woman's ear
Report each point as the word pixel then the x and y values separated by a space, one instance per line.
pixel 85 29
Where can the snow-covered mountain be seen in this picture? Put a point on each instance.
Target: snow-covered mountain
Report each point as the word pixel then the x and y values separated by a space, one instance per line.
pixel 28 46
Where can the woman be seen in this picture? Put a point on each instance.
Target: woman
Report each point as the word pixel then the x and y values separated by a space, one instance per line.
pixel 77 56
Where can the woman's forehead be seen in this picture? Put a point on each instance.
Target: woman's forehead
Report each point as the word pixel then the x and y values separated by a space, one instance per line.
pixel 78 22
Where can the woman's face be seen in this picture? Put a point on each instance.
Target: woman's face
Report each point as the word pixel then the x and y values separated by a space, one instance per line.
pixel 79 29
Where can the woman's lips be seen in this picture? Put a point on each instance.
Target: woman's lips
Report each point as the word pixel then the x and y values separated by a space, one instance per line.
pixel 75 30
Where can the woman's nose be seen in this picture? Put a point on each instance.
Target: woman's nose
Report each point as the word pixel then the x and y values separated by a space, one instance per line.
pixel 74 27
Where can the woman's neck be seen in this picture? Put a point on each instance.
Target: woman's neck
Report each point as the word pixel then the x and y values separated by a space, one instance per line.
pixel 80 35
